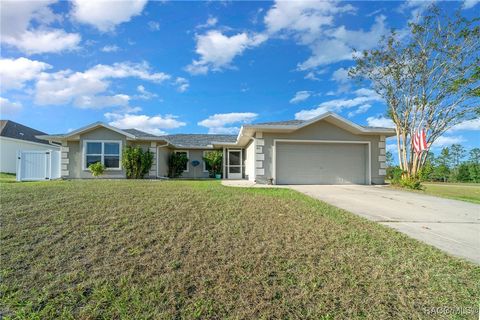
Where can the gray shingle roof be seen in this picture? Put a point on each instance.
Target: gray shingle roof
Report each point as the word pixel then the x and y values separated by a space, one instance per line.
pixel 280 123
pixel 198 140
pixel 139 133
pixel 14 130
pixel 298 122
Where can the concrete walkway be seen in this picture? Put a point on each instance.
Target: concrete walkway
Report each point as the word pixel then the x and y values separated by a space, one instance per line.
pixel 450 225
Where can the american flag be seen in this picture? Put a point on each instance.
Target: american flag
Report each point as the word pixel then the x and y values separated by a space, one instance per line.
pixel 420 141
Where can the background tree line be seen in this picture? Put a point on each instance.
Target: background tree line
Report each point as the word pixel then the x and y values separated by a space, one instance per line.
pixel 453 164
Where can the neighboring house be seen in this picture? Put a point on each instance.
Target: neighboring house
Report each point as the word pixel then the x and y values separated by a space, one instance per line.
pixel 16 137
pixel 327 149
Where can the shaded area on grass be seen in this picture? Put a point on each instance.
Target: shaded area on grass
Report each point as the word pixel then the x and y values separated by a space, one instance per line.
pixel 191 249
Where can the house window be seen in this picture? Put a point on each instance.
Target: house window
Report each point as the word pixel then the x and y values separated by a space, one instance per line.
pixel 206 166
pixel 187 155
pixel 105 152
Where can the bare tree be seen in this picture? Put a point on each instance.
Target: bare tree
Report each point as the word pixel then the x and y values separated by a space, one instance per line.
pixel 429 77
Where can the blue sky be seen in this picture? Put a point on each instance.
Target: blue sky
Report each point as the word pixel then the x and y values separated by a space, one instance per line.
pixel 170 67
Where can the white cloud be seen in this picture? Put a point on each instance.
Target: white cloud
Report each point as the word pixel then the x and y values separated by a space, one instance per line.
pixel 362 109
pixel 416 8
pixel 105 15
pixel 444 141
pixel 305 19
pixel 14 73
pixel 380 121
pixel 153 25
pixel 470 125
pixel 341 76
pixel 97 102
pixel 217 50
pixel 311 76
pixel 152 124
pixel 311 23
pixel 467 4
pixel 182 84
pixel 221 123
pixel 87 89
pixel 18 19
pixel 8 107
pixel 110 48
pixel 300 96
pixel 337 44
pixel 144 93
pixel 211 21
pixel 363 96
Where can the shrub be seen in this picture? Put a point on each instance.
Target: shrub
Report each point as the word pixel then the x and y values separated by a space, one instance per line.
pixel 214 162
pixel 394 174
pixel 96 169
pixel 176 164
pixel 411 183
pixel 137 163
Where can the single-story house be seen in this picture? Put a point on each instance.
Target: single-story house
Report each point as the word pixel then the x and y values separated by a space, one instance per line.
pixel 15 137
pixel 328 149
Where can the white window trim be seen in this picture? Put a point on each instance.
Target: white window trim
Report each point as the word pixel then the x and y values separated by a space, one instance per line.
pixel 84 154
pixel 188 157
pixel 203 161
pixel 367 143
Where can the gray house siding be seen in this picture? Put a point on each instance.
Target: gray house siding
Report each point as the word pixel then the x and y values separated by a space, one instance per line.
pixel 75 154
pixel 321 130
pixel 162 157
pixel 194 172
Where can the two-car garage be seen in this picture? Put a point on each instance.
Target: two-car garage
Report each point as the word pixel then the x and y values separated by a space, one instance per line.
pixel 322 162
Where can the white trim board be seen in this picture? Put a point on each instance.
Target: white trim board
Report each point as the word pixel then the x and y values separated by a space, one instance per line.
pixel 368 143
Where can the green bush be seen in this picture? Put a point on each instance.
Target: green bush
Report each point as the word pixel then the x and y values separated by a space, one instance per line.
pixel 411 183
pixel 214 161
pixel 96 169
pixel 137 163
pixel 176 164
pixel 394 174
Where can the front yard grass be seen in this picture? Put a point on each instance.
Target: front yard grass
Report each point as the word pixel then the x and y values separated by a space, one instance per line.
pixel 459 191
pixel 195 249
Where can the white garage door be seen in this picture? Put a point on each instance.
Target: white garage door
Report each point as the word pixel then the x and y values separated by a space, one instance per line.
pixel 321 163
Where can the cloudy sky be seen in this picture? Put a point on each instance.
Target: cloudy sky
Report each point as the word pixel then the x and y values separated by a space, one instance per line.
pixel 169 67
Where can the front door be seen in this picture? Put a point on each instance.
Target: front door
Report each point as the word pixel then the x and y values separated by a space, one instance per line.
pixel 234 164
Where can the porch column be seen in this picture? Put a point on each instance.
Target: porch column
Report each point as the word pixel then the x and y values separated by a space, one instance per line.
pixel 223 164
pixel 153 170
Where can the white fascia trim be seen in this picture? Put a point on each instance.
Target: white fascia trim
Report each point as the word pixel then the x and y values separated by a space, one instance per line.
pixel 99 124
pixel 290 128
pixel 31 142
pixel 84 154
pixel 369 160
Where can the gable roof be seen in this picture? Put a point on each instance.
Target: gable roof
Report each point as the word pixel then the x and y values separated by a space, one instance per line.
pixel 14 130
pixel 129 133
pixel 140 134
pixel 247 131
pixel 292 125
pixel 198 140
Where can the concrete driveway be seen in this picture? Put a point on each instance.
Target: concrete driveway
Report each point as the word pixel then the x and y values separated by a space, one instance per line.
pixel 450 225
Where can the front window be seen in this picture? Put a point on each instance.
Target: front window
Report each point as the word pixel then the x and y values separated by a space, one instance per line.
pixel 105 152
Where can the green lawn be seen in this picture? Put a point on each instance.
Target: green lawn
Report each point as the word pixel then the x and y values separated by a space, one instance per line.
pixel 459 191
pixel 469 192
pixel 191 249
